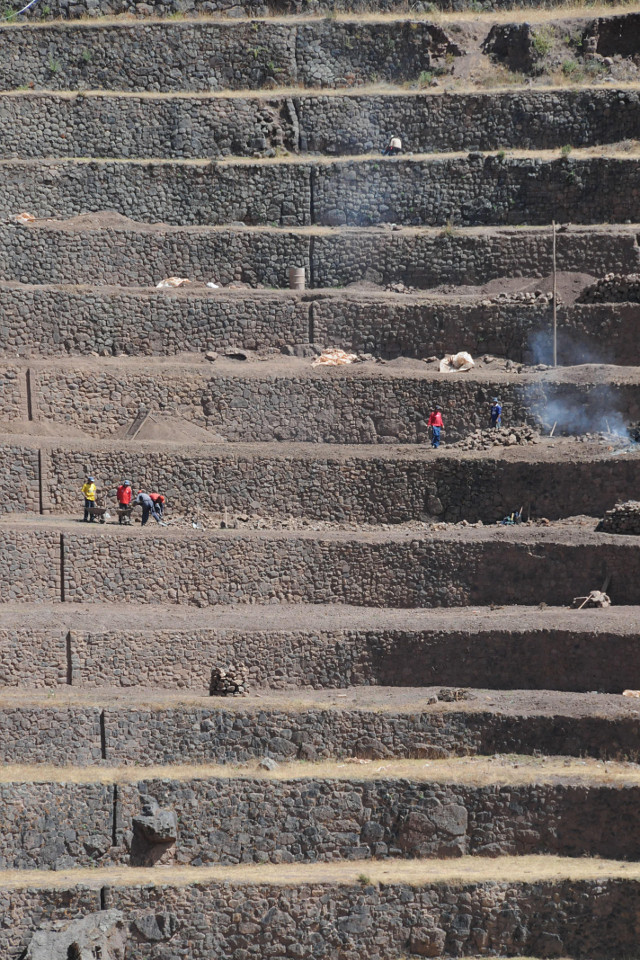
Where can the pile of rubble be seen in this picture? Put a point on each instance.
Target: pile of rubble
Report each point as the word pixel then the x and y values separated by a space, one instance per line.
pixel 613 288
pixel 230 682
pixel 537 297
pixel 509 437
pixel 623 518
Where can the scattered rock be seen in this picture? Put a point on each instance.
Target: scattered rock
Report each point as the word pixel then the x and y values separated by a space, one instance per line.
pixel 267 763
pixel 154 927
pixel 154 824
pixel 211 356
pixel 227 682
pixel 623 518
pixel 613 288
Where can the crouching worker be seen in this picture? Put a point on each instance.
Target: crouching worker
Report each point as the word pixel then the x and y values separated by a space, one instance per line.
pixel 148 507
pixel 393 148
pixel 159 502
pixel 89 494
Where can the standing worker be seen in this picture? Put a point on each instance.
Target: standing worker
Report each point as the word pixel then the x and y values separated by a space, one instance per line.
pixel 89 494
pixel 123 496
pixel 148 507
pixel 496 413
pixel 159 502
pixel 436 425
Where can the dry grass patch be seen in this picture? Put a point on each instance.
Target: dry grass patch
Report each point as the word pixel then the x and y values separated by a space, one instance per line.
pixel 415 873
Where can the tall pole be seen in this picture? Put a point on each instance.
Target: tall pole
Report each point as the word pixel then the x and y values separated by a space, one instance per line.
pixel 555 299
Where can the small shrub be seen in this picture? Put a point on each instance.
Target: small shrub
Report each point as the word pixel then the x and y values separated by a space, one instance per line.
pixel 501 154
pixel 448 230
pixel 570 68
pixel 566 150
pixel 54 66
pixel 425 78
pixel 9 16
pixel 364 880
pixel 542 42
pixel 86 56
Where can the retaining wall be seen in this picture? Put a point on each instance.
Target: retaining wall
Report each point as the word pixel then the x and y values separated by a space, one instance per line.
pixel 430 123
pixel 476 190
pixel 210 55
pixel 330 406
pixel 20 473
pixel 368 490
pixel 296 658
pixel 41 126
pixel 80 321
pixel 62 825
pixel 140 322
pixel 362 570
pixel 169 192
pixel 413 328
pixel 146 736
pixel 134 254
pixel 539 918
pixel 13 403
pixel 470 191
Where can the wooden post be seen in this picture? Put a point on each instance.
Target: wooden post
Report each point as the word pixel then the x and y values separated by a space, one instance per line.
pixel 555 299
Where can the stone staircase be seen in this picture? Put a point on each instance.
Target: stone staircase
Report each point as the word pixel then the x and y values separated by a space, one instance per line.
pixel 434 757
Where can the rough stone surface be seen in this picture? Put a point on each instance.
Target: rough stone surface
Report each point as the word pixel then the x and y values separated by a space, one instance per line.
pixel 623 518
pixel 101 935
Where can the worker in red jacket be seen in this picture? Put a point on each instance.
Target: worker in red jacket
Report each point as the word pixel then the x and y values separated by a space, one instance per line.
pixel 123 496
pixel 158 501
pixel 436 425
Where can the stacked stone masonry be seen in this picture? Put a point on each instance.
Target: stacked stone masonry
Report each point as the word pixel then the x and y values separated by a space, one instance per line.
pixel 314 406
pixel 210 55
pixel 537 918
pixel 310 820
pixel 145 736
pixel 623 518
pixel 130 254
pixel 367 490
pixel 475 190
pixel 100 125
pixel 118 320
pixel 364 570
pixel 283 659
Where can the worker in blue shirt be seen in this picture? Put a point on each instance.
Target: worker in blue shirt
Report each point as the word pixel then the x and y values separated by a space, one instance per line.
pixel 496 413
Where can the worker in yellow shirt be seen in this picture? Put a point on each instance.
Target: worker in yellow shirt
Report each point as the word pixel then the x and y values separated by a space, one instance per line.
pixel 89 493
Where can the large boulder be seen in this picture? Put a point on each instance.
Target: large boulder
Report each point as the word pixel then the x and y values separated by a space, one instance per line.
pixel 98 936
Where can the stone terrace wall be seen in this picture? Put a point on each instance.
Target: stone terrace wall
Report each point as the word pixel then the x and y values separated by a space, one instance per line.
pixel 223 568
pixel 79 321
pixel 131 254
pixel 182 56
pixel 54 825
pixel 60 825
pixel 335 659
pixel 469 191
pixel 294 821
pixel 22 909
pixel 135 255
pixel 32 657
pixel 367 490
pixel 390 919
pixel 146 736
pixel 112 321
pixel 417 328
pixel 476 190
pixel 30 562
pixel 13 397
pixel 99 126
pixel 19 473
pixel 328 406
pixel 45 735
pixel 273 194
pixel 470 121
pixel 427 259
pixel 73 9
